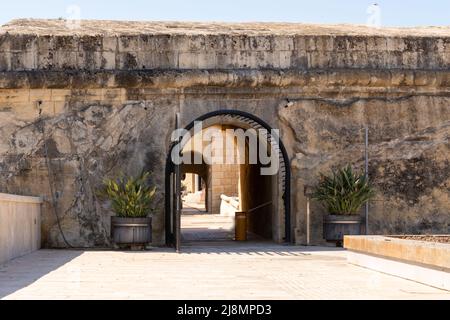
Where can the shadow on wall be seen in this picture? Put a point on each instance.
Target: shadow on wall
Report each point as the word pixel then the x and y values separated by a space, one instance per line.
pixel 24 271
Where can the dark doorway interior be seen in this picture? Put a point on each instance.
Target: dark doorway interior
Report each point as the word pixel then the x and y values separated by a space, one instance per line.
pixel 258 195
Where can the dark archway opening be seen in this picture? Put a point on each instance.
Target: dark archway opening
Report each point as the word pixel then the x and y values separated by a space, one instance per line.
pixel 277 188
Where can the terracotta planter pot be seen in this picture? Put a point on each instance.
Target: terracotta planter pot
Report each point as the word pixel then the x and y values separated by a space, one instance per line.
pixel 335 227
pixel 131 231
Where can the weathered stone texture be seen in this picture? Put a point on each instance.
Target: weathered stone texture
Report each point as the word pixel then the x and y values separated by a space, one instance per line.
pixel 104 99
pixel 409 156
pixel 105 45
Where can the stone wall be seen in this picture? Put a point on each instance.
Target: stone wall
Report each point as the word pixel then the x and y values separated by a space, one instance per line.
pixel 224 177
pixel 408 152
pixel 48 45
pixel 20 231
pixel 104 99
pixel 189 182
pixel 225 181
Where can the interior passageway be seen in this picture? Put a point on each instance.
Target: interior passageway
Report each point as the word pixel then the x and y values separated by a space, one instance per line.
pixel 215 189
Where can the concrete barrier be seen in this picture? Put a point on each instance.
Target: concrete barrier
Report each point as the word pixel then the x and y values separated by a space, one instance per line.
pixel 20 226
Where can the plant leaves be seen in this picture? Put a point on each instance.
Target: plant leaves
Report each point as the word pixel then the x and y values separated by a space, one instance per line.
pixel 130 196
pixel 343 192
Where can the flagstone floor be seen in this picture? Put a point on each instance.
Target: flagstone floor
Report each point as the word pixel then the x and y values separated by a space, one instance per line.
pixel 206 227
pixel 204 270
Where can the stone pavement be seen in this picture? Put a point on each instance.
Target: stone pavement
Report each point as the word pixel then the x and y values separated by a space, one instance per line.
pixel 213 270
pixel 206 227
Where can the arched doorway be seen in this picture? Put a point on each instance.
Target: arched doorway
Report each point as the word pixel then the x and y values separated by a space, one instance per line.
pixel 244 120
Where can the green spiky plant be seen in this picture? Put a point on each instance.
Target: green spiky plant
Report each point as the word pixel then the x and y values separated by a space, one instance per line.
pixel 131 197
pixel 344 192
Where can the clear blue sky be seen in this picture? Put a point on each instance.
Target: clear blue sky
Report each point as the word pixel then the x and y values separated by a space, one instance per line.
pixel 393 12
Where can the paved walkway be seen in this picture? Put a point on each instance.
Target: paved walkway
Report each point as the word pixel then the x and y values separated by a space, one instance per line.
pixel 206 227
pixel 209 227
pixel 202 271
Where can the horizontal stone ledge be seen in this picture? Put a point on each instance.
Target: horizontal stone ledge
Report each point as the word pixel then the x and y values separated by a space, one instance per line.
pixel 5 197
pixel 431 254
pixel 178 79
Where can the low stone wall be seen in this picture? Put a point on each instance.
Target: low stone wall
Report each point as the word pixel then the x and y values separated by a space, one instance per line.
pixel 20 226
pixel 420 261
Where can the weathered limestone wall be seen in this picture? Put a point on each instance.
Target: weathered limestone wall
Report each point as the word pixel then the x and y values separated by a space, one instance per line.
pixel 48 45
pixel 409 156
pixel 87 140
pixel 104 98
pixel 20 231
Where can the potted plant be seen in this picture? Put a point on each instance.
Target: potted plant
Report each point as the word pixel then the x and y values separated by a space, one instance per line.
pixel 131 200
pixel 343 193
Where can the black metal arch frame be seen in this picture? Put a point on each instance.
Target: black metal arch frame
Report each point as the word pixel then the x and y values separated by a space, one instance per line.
pixel 287 182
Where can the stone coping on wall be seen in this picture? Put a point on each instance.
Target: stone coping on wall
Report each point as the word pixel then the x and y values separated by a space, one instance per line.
pixel 4 197
pixel 422 253
pixel 114 45
pixel 44 27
